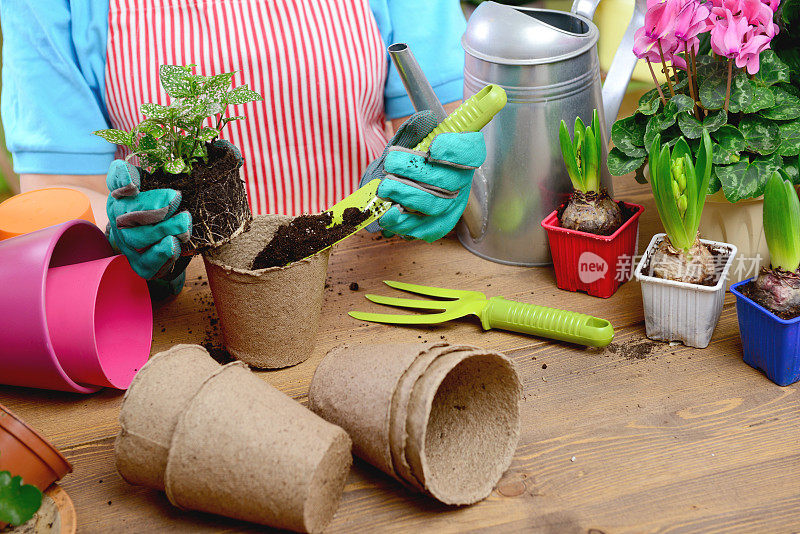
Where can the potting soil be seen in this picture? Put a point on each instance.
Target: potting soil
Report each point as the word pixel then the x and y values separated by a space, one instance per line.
pixel 748 291
pixel 212 193
pixel 306 235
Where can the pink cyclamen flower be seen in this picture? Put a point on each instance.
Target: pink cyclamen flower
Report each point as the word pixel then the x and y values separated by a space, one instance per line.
pixel 773 4
pixel 728 35
pixel 646 48
pixel 751 50
pixel 755 12
pixel 691 19
pixel 659 24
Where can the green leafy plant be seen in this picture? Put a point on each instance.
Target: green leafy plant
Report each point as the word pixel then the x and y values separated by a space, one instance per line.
pixel 18 501
pixel 582 154
pixel 787 43
pixel 174 137
pixel 680 187
pixel 782 223
pixel 754 125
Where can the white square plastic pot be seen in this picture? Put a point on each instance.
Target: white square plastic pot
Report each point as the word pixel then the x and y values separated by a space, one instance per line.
pixel 678 311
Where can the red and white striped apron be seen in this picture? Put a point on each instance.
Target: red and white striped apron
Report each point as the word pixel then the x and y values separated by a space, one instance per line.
pixel 320 65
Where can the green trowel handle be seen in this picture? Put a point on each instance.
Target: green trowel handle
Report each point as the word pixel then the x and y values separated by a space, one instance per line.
pixel 472 115
pixel 546 322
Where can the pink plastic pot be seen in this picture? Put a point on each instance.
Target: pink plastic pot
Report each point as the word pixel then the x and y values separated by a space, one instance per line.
pixel 27 355
pixel 595 264
pixel 100 321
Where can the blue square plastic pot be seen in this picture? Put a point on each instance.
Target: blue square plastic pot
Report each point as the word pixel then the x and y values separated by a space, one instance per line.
pixel 769 343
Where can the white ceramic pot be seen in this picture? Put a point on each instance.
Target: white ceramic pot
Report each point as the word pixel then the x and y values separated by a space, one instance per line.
pixel 739 224
pixel 678 311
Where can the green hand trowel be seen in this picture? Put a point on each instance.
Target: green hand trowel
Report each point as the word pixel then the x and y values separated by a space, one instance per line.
pixel 472 115
pixel 494 312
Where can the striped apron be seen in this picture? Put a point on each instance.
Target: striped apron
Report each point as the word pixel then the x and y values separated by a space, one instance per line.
pixel 320 64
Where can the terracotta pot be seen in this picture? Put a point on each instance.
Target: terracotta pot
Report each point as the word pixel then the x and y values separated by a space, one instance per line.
pixel 24 452
pixel 268 316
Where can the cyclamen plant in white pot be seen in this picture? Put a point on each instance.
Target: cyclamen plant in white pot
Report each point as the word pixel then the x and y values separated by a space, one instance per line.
pixel 682 276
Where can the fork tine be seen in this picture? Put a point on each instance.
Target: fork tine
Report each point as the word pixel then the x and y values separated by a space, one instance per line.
pixel 440 292
pixel 409 303
pixel 394 318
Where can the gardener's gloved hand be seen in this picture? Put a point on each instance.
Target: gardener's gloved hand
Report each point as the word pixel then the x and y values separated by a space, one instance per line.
pixel 429 189
pixel 145 226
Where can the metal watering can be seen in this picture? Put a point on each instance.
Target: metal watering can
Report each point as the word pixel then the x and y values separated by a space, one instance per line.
pixel 547 63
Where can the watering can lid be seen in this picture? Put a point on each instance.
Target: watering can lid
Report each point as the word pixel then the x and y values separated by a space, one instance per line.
pixel 526 36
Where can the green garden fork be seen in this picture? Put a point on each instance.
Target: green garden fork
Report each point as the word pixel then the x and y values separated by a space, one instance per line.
pixel 494 312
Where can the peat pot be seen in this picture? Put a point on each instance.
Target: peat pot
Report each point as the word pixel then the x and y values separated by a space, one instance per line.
pixel 268 317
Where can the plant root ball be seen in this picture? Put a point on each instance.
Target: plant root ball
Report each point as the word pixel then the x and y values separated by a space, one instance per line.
pixel 694 267
pixel 592 212
pixel 777 290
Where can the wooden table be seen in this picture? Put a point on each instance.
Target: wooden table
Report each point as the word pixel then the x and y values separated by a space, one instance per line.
pixel 640 437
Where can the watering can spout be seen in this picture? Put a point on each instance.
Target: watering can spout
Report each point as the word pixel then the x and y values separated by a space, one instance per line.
pixel 422 97
pixel 624 62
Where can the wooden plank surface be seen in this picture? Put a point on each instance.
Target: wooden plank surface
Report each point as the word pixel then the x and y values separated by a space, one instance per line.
pixel 639 437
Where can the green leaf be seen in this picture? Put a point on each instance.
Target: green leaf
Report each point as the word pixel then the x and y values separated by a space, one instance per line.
pixel 176 80
pixel 782 223
pixel 117 137
pixel 628 135
pixel 772 70
pixel 791 166
pixel 148 142
pixel 568 155
pixel 787 106
pixel 761 135
pixel 620 163
pixel 175 166
pixel 669 135
pixel 763 98
pixel 729 144
pixel 650 102
pixel 713 87
pixel 207 134
pixel 746 179
pixel 693 128
pixel 216 86
pixel 790 138
pixel 242 95
pixel 156 111
pixel 18 501
pixel 226 120
pixel 150 127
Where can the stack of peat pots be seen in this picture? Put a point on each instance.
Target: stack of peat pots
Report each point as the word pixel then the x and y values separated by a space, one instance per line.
pixel 440 419
pixel 218 439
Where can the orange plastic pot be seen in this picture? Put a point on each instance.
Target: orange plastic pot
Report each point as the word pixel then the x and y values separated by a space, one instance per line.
pixel 34 210
pixel 24 452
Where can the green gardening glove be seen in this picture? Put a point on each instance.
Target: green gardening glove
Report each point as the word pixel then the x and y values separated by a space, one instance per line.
pixel 146 225
pixel 429 189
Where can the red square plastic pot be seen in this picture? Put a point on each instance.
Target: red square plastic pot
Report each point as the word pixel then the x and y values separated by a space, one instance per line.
pixel 595 264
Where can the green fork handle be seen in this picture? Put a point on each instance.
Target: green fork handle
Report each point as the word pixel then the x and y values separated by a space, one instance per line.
pixel 546 322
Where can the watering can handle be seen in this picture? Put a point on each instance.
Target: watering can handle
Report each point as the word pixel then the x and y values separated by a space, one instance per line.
pixel 621 69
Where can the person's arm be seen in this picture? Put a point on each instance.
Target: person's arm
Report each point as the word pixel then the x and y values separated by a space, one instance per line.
pixel 433 32
pixel 93 185
pixel 52 97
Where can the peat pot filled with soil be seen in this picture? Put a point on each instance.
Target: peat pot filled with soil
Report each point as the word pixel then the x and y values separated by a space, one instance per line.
pixel 269 316
pixel 213 193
